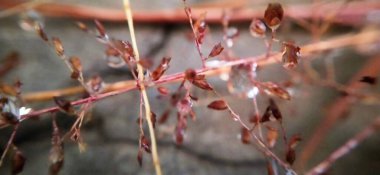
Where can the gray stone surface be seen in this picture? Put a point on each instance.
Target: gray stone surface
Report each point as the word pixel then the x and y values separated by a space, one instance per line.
pixel 212 146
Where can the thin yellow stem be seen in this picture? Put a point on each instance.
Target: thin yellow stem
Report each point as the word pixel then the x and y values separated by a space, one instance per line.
pixel 156 160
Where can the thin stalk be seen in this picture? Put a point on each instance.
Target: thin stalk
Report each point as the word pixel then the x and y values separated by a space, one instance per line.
pixel 156 160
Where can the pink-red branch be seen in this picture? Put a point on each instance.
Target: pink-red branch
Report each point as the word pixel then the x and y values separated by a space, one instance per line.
pixel 355 13
pixel 361 38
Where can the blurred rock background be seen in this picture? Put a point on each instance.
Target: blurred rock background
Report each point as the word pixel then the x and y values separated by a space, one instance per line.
pixel 212 145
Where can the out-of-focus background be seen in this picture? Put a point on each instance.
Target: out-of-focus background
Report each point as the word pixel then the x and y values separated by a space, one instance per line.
pixel 212 145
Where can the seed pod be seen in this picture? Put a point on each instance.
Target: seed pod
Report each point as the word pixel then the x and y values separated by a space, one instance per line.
pixel 18 162
pixel 153 119
pixel 290 156
pixel 56 155
pixel 273 15
pixel 163 90
pixel 200 28
pixel 145 144
pixel 275 90
pixel 218 105
pixel 40 31
pixel 216 50
pixel 76 65
pixel 291 153
pixel 164 117
pixel 82 26
pixel 58 46
pixel 160 70
pixel 245 136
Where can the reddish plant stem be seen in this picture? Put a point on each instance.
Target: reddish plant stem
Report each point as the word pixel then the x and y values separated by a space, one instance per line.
pixel 361 38
pixel 197 43
pixel 345 148
pixel 354 14
pixel 337 110
pixel 306 50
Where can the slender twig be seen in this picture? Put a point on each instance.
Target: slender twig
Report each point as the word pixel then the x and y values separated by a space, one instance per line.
pixel 345 148
pixel 156 160
pixel 10 142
